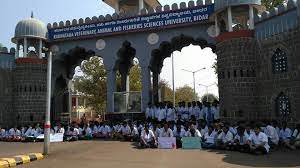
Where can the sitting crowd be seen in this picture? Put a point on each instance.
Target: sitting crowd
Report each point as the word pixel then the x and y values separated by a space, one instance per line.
pixel 191 121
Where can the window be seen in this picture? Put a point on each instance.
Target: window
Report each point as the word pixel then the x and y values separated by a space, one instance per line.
pixel 234 73
pixel 228 73
pixel 279 61
pixel 283 105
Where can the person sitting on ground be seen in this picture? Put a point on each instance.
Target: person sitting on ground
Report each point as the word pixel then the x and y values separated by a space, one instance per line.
pixel 106 131
pixel 296 137
pixel 271 132
pixel 193 132
pixel 72 135
pixel 148 139
pixel 2 134
pixel 258 142
pixel 224 138
pixel 239 142
pixel 166 131
pixel 134 136
pixel 87 132
pixel 178 133
pixel 209 139
pixel 125 132
pixel 157 130
pixel 285 136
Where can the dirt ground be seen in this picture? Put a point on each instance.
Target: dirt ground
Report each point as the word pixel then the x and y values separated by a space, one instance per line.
pixel 114 154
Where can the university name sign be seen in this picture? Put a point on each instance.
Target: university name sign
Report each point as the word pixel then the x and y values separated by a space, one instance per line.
pixel 139 23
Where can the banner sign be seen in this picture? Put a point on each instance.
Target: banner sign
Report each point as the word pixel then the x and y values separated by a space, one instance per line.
pixel 140 23
pixel 58 137
pixel 191 143
pixel 166 142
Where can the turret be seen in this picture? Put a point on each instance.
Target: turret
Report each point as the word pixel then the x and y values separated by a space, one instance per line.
pixel 236 52
pixel 132 5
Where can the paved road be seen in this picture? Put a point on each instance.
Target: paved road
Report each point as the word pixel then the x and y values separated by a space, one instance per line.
pixel 113 154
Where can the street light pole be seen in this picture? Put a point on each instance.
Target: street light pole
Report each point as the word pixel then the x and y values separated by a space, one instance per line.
pixel 173 82
pixel 194 82
pixel 207 86
pixel 47 124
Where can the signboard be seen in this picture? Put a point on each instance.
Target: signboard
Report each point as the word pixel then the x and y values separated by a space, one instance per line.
pixel 140 23
pixel 191 143
pixel 166 142
pixel 58 137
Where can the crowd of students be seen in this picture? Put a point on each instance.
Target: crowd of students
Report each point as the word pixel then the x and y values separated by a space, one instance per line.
pixel 163 120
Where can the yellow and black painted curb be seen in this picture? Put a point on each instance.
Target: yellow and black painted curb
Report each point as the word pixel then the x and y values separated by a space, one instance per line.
pixel 20 159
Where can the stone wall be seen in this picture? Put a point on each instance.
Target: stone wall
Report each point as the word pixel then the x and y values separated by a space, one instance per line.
pixel 237 77
pixel 271 84
pixel 30 91
pixel 6 108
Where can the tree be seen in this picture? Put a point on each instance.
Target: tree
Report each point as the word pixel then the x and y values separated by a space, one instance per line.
pixel 211 98
pixel 271 3
pixel 92 83
pixel 185 93
pixel 166 91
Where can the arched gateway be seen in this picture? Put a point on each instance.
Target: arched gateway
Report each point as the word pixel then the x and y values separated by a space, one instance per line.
pixel 241 33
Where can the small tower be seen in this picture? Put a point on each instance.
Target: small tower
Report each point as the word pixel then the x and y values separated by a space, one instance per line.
pixel 30 71
pixel 236 52
pixel 132 5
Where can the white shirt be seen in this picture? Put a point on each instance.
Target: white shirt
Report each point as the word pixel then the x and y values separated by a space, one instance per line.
pixel 191 111
pixel 125 130
pixel 12 132
pixel 148 112
pixel 2 133
pixel 204 130
pixel 259 139
pixel 147 137
pixel 296 134
pixel 60 130
pixel 185 113
pixel 285 133
pixel 271 132
pixel 225 137
pixel 95 129
pixel 164 133
pixel 197 133
pixel 196 112
pixel 88 131
pixel 248 134
pixel 178 134
pixel 28 132
pixel 242 140
pixel 76 132
pixel 210 138
pixel 170 114
pixel 152 113
pixel 134 131
pixel 162 114
pixel 157 112
pixel 216 112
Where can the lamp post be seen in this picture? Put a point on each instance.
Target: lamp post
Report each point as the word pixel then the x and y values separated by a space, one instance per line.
pixel 207 86
pixel 173 82
pixel 47 124
pixel 194 72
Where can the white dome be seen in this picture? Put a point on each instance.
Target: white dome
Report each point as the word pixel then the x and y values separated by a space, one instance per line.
pixel 32 28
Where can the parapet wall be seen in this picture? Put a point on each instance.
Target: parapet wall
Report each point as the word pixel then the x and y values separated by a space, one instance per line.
pixel 7 58
pixel 279 19
pixel 122 15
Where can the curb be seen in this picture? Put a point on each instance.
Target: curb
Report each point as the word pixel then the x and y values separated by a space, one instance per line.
pixel 20 159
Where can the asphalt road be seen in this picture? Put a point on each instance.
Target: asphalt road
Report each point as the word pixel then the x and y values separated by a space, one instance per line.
pixel 114 154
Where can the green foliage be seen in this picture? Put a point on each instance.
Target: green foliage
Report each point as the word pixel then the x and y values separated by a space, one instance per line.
pixel 211 98
pixel 185 93
pixel 93 82
pixel 271 3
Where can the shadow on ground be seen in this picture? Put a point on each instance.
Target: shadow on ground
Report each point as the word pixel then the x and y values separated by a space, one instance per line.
pixel 280 158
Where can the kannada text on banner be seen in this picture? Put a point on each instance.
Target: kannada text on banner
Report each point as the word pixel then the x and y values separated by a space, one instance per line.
pixel 139 23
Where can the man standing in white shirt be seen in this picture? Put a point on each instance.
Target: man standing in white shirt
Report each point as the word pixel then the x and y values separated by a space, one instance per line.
pixel 258 142
pixel 216 111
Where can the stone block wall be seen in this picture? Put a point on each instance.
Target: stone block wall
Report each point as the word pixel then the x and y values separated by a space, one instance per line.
pixel 30 91
pixel 270 84
pixel 237 77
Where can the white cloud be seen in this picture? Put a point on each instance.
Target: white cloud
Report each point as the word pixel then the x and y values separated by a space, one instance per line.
pixel 192 58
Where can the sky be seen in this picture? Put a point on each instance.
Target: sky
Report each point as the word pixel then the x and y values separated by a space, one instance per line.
pixel 50 11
